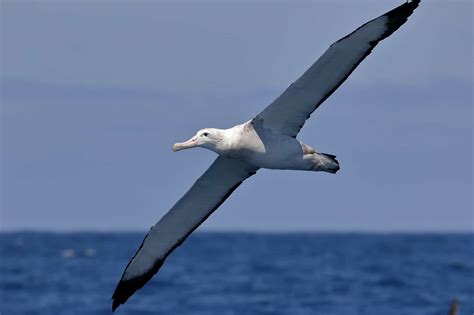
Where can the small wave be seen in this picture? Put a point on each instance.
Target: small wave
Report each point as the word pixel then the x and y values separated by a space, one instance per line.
pixel 90 252
pixel 68 253
pixel 19 242
pixel 459 266
pixel 391 282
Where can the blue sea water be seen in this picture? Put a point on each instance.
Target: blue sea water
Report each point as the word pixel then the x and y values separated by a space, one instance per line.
pixel 242 273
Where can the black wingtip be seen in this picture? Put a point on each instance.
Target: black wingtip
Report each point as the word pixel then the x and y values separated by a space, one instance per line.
pixel 126 288
pixel 408 7
pixel 399 15
pixel 115 304
pixel 121 294
pixel 396 18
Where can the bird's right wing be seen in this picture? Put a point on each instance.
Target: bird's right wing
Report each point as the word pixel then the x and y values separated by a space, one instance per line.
pixel 204 197
pixel 288 113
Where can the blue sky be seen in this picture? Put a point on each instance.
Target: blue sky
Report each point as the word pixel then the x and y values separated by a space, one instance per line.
pixel 94 94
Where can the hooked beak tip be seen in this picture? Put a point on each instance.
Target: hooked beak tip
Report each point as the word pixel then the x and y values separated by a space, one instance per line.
pixel 178 147
pixel 184 145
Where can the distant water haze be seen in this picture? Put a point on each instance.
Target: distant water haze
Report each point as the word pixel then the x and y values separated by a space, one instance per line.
pixel 94 95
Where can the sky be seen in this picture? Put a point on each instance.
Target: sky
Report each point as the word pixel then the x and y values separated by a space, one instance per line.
pixel 94 94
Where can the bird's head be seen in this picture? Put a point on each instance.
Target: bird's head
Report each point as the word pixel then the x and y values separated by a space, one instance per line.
pixel 209 138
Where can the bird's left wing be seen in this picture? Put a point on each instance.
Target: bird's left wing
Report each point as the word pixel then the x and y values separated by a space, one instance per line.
pixel 288 113
pixel 204 197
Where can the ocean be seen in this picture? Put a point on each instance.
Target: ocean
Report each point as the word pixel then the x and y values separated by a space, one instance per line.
pixel 242 273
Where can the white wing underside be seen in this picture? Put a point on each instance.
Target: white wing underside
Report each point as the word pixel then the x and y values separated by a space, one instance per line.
pixel 205 196
pixel 288 113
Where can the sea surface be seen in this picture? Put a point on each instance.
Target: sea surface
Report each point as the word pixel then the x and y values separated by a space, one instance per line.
pixel 242 273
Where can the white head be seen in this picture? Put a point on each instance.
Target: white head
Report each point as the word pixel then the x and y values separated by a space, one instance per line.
pixel 209 138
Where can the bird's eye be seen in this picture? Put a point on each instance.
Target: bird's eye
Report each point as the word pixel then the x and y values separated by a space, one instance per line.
pixel 205 134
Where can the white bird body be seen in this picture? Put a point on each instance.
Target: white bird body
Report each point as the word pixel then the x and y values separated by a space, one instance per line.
pixel 266 141
pixel 266 148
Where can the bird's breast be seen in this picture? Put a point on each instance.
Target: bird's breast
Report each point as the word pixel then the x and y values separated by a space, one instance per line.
pixel 265 149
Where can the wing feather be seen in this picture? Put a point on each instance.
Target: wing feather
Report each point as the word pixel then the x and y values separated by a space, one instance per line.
pixel 288 113
pixel 204 197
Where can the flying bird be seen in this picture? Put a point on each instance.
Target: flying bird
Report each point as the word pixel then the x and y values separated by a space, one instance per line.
pixel 266 141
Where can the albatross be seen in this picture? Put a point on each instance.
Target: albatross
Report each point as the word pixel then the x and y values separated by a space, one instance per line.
pixel 266 141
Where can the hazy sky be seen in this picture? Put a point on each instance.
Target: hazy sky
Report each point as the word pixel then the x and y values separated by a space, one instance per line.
pixel 94 94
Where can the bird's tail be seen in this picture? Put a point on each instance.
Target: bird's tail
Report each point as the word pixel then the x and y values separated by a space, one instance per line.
pixel 328 163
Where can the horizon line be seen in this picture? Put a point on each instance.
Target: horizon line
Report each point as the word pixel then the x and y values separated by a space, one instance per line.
pixel 244 231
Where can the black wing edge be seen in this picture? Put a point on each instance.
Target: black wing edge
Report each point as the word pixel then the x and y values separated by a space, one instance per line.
pixel 396 18
pixel 126 288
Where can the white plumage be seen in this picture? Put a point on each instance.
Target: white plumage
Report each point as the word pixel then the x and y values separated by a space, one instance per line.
pixel 266 141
